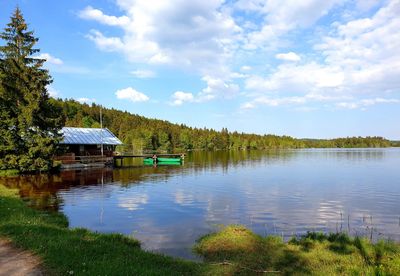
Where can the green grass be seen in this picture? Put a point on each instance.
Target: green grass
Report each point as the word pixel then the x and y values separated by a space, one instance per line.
pixel 9 173
pixel 242 252
pixel 79 251
pixel 234 250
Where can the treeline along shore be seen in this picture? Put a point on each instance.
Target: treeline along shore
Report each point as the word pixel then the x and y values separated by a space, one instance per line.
pixel 142 134
pixel 31 121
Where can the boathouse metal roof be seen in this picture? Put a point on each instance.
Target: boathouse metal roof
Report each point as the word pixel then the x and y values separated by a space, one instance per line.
pixel 88 136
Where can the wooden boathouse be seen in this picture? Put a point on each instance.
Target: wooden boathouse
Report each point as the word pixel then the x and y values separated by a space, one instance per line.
pixel 95 147
pixel 87 147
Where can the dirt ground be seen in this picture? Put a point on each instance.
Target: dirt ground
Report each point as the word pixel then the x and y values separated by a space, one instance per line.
pixel 16 262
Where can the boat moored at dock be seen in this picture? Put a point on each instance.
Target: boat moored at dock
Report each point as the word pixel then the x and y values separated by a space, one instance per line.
pixel 153 159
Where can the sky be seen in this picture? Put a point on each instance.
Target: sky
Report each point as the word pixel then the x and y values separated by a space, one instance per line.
pixel 309 69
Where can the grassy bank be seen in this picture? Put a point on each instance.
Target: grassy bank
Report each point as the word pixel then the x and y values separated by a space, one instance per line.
pixel 234 250
pixel 243 252
pixel 78 251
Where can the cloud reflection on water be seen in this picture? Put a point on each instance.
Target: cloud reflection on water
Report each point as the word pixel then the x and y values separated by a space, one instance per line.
pixel 277 192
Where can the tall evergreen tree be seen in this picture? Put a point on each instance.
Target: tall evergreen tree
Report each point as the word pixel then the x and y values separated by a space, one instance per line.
pixel 30 123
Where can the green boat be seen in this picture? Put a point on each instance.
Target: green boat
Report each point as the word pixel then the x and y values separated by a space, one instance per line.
pixel 148 161
pixel 163 161
pixel 169 163
pixel 168 160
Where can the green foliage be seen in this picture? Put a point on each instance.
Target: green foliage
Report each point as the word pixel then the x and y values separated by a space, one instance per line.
pixel 9 172
pixel 395 143
pixel 350 142
pixel 141 134
pixel 30 122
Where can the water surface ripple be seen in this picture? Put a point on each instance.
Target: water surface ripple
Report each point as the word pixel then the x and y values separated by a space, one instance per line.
pixel 285 192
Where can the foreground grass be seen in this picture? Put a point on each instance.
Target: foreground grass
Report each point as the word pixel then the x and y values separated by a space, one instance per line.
pixel 234 250
pixel 79 251
pixel 243 252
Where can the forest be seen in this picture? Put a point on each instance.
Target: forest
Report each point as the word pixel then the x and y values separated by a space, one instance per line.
pixel 140 134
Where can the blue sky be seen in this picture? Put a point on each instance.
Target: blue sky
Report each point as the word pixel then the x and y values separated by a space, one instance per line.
pixel 309 68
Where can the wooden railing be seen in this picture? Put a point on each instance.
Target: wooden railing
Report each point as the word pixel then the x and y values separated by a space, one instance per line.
pixel 93 159
pixel 85 159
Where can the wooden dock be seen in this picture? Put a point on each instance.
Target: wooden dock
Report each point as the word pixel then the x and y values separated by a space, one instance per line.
pixel 145 156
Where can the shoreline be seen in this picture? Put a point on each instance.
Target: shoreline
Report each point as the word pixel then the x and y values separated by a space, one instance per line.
pixel 80 251
pixel 230 251
pixel 56 169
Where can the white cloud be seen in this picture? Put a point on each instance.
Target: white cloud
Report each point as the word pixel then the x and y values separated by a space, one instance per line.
pixel 366 5
pixel 53 92
pixel 97 15
pixel 280 17
pixel 179 97
pixel 86 100
pixel 309 99
pixel 49 58
pixel 366 50
pixel 358 59
pixel 216 88
pixel 131 94
pixel 236 75
pixel 299 79
pixel 109 44
pixel 350 59
pixel 196 34
pixel 143 74
pixel 160 58
pixel 268 101
pixel 291 56
pixel 247 106
pixel 347 105
pixel 365 103
pixel 282 101
pixel 245 68
pixel 297 13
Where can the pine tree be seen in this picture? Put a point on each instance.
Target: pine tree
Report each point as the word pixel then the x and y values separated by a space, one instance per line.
pixel 30 123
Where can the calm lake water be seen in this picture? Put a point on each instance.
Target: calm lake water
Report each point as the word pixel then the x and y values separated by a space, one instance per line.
pixel 277 192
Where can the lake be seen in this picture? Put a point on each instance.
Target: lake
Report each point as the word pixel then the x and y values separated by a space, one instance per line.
pixel 285 193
